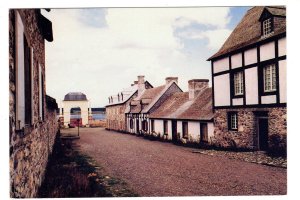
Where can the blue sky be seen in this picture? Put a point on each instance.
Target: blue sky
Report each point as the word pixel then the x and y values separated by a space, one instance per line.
pixel 100 51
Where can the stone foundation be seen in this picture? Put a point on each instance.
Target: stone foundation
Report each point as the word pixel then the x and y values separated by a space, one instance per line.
pixel 246 136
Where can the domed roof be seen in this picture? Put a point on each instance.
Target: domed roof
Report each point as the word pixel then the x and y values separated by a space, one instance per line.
pixel 75 96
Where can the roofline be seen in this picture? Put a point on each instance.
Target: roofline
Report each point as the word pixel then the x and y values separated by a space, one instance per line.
pixel 182 119
pixel 251 45
pixel 122 102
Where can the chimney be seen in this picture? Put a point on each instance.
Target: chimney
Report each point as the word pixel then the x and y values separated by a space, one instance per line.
pixel 196 86
pixel 141 84
pixel 170 79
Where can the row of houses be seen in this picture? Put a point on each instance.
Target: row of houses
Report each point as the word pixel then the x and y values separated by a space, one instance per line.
pixel 245 107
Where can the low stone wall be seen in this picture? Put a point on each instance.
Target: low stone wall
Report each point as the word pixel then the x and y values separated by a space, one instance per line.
pixel 29 152
pixel 246 136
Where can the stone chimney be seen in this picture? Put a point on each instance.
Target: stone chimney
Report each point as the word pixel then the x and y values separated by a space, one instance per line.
pixel 196 86
pixel 170 79
pixel 141 84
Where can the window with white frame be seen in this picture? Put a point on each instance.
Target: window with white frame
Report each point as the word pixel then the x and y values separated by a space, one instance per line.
pixel 232 121
pixel 267 26
pixel 269 78
pixel 238 83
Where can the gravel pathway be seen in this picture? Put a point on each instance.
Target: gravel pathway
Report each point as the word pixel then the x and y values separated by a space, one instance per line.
pixel 153 168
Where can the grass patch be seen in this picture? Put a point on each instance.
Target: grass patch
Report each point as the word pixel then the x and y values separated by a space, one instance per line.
pixel 72 174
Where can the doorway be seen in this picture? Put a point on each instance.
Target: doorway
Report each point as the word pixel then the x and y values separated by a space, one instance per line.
pixel 203 133
pixel 262 126
pixel 137 126
pixel 174 130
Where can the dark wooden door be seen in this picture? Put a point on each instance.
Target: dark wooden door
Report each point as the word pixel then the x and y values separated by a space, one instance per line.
pixel 263 133
pixel 137 126
pixel 203 132
pixel 174 130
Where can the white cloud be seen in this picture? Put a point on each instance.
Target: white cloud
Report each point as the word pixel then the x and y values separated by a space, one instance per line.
pixel 102 61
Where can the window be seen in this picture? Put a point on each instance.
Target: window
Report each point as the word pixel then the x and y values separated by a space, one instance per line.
pixel 131 123
pixel 238 83
pixel 145 125
pixel 267 26
pixel 28 82
pixel 185 129
pixel 166 127
pixel 41 94
pixel 269 78
pixel 152 125
pixel 232 121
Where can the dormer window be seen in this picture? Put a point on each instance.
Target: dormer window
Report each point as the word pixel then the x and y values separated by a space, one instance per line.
pixel 267 26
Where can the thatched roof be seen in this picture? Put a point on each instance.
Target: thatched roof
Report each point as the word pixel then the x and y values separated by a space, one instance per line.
pixel 248 31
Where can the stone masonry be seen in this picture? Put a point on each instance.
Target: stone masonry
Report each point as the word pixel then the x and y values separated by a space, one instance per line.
pixel 30 147
pixel 246 136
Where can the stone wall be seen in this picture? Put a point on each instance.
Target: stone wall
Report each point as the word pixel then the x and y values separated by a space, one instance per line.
pixel 29 147
pixel 246 136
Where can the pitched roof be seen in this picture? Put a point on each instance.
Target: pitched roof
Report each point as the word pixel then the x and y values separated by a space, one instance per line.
pixel 248 31
pixel 178 106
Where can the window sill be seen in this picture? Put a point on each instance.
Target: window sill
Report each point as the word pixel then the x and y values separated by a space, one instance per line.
pixel 269 93
pixel 238 96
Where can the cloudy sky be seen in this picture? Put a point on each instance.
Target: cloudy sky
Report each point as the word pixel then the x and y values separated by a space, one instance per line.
pixel 100 51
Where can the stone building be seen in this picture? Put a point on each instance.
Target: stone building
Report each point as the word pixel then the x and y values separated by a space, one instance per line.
pixel 32 118
pixel 146 102
pixel 115 110
pixel 249 83
pixel 185 116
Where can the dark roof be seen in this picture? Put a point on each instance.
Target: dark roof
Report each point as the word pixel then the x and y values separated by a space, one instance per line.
pixel 179 106
pixel 51 103
pixel 147 97
pixel 75 96
pixel 248 31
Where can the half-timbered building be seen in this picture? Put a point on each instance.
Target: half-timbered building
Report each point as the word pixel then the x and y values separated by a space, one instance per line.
pixel 249 82
pixel 139 109
pixel 117 104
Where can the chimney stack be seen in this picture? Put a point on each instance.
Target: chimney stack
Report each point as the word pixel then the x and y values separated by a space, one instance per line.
pixel 141 84
pixel 170 79
pixel 196 86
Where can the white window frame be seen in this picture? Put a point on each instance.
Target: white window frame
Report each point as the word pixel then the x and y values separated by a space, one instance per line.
pixel 267 27
pixel 233 121
pixel 269 75
pixel 238 83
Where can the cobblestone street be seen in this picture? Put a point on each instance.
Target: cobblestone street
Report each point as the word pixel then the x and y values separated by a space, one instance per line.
pixel 153 168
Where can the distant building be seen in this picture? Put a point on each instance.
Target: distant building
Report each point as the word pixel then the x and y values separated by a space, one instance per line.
pixel 32 117
pixel 115 110
pixel 249 82
pixel 186 115
pixel 146 102
pixel 78 101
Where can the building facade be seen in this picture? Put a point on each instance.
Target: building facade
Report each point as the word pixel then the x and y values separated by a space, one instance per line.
pixel 115 110
pixel 249 83
pixel 185 116
pixel 146 102
pixel 32 117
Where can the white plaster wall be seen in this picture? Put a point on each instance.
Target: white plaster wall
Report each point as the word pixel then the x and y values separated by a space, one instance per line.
pixel 169 137
pixel 221 65
pixel 222 90
pixel 267 51
pixel 268 99
pixel 20 111
pixel 251 86
pixel 194 130
pixel 237 101
pixel 282 81
pixel 282 47
pixel 67 105
pixel 236 60
pixel 250 56
pixel 210 127
pixel 159 126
